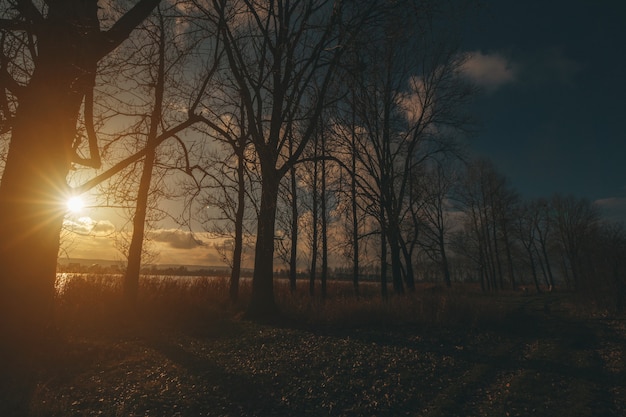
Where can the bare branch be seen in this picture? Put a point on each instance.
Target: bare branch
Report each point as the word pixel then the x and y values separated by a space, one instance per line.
pixel 112 38
pixel 80 189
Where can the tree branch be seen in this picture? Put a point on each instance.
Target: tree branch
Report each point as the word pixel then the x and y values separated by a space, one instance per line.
pixel 113 37
pixel 83 188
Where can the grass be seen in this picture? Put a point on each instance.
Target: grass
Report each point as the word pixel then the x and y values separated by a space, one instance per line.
pixel 437 352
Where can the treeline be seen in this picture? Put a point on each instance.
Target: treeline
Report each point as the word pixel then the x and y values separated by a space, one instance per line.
pixel 560 241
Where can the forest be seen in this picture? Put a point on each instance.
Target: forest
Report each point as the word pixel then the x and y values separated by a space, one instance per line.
pixel 327 139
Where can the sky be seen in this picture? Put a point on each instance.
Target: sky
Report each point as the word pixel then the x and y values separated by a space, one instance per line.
pixel 553 100
pixel 551 111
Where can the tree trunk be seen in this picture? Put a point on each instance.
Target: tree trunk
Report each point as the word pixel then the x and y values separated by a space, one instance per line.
pixel 547 261
pixel 410 273
pixel 313 271
pixel 383 257
pixel 235 273
pixel 509 257
pixel 355 219
pixel 355 234
pixel 445 266
pixel 396 263
pixel 293 258
pixel 262 303
pixel 542 267
pixel 533 268
pixel 324 219
pixel 131 277
pixel 133 269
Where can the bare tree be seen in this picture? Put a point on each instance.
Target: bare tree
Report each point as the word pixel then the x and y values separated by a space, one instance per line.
pixel 409 101
pixel 229 185
pixel 487 202
pixel 527 217
pixel 275 52
pixel 432 217
pixel 575 221
pixel 50 59
pixel 131 277
pixel 543 229
pixel 164 66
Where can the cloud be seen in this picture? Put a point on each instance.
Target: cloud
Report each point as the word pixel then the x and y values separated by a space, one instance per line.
pixel 88 226
pixel 184 248
pixel 612 208
pixel 611 202
pixel 176 239
pixel 489 71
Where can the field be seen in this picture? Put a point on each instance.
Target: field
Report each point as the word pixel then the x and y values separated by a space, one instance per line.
pixel 438 352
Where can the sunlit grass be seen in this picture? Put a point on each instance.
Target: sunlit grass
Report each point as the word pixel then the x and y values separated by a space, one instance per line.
pixel 95 302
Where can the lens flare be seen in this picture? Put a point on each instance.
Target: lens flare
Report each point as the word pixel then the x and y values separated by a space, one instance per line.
pixel 75 204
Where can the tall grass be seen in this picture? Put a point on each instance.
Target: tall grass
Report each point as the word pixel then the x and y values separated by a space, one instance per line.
pixel 428 306
pixel 95 303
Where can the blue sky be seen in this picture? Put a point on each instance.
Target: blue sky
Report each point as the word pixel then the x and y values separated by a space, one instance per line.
pixel 554 96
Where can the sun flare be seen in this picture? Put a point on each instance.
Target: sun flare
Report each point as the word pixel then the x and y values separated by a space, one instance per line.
pixel 75 204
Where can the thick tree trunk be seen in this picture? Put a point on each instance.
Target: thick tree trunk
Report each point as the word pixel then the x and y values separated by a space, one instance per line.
pixel 34 188
pixel 262 303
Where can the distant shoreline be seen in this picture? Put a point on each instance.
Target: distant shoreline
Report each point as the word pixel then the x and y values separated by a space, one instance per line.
pixel 81 263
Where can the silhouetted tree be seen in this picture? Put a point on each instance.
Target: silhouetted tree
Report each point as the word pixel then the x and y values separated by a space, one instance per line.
pixel 543 229
pixel 53 78
pixel 526 228
pixel 408 100
pixel 276 52
pixel 487 202
pixel 432 217
pixel 575 220
pixel 224 176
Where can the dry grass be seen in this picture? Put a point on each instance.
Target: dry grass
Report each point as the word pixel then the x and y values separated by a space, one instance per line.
pixel 95 302
pixel 436 352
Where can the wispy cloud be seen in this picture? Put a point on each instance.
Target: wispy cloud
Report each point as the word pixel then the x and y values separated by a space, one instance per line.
pixel 612 208
pixel 489 71
pixel 88 226
pixel 176 239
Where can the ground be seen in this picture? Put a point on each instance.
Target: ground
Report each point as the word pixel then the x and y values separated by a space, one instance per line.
pixel 539 359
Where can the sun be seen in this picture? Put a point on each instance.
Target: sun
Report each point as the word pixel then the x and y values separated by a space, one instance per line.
pixel 75 204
